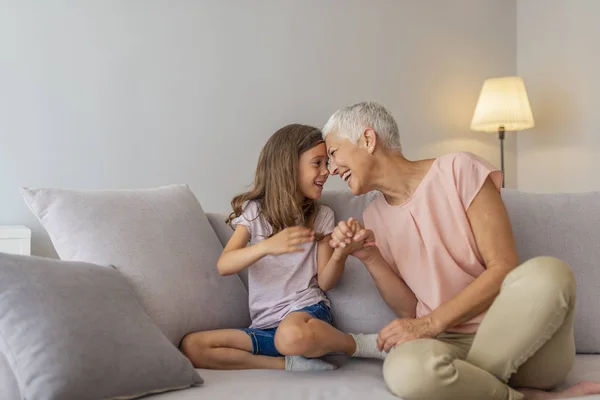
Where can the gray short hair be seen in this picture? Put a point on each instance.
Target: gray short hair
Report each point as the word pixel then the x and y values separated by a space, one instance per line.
pixel 350 122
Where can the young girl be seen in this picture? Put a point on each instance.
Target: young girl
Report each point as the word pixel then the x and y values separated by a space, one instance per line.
pixel 282 236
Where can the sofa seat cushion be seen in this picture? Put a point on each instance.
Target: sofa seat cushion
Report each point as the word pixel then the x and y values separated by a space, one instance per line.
pixel 356 379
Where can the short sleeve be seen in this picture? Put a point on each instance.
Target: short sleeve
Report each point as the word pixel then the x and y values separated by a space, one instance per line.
pixel 325 220
pixel 470 173
pixel 248 218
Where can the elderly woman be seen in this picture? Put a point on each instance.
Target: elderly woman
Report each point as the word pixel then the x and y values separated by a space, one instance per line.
pixel 473 324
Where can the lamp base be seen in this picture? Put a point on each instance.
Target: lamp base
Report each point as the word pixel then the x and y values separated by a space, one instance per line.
pixel 501 137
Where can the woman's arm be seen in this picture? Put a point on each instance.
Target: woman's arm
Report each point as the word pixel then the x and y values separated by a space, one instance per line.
pixel 393 290
pixel 493 235
pixel 360 242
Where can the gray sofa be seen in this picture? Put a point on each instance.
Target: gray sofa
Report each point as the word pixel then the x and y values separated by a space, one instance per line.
pixel 562 225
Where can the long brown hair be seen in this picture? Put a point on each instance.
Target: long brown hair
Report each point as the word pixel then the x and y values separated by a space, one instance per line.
pixel 276 180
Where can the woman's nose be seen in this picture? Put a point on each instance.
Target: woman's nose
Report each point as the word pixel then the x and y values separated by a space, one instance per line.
pixel 333 168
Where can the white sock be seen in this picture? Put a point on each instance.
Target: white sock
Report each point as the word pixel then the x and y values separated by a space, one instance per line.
pixel 299 363
pixel 366 346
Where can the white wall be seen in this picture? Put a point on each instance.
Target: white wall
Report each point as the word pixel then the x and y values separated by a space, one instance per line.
pixel 559 58
pixel 139 93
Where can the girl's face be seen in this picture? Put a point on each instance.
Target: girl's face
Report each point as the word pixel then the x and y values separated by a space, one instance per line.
pixel 313 171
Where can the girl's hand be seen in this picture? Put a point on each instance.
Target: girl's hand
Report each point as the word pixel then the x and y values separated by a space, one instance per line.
pixel 288 240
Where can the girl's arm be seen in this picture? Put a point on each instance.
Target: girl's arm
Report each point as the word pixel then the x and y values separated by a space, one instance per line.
pixel 330 264
pixel 331 261
pixel 237 255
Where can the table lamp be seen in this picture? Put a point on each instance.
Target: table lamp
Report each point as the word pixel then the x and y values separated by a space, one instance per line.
pixel 503 106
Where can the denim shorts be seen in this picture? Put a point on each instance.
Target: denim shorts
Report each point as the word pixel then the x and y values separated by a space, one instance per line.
pixel 263 340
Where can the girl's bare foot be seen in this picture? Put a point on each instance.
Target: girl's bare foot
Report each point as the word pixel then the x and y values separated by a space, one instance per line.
pixel 581 389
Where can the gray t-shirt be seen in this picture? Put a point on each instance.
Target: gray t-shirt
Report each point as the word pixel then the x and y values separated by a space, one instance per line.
pixel 278 285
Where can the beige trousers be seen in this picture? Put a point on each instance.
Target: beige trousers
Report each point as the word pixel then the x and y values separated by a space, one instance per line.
pixel 525 340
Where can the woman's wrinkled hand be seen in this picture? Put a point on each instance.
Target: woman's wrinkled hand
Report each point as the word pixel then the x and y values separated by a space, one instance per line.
pixel 403 330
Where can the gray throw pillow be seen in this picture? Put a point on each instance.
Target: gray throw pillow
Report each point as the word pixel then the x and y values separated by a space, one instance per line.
pixel 77 331
pixel 160 240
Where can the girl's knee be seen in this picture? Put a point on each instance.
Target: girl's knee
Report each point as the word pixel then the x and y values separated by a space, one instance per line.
pixel 294 339
pixel 188 342
pixel 194 346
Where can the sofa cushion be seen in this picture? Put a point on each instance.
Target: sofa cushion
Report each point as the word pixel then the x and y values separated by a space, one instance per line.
pixel 356 379
pixel 160 240
pixel 9 388
pixel 69 330
pixel 585 368
pixel 566 226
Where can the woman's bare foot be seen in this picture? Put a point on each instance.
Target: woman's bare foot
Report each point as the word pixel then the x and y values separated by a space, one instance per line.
pixel 584 388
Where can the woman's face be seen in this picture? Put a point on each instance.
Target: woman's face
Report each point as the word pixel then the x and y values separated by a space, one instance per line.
pixel 352 162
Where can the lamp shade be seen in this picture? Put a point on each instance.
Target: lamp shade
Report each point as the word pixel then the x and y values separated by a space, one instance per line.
pixel 503 102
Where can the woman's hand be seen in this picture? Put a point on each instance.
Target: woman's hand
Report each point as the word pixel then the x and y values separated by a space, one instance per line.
pixel 403 330
pixel 288 240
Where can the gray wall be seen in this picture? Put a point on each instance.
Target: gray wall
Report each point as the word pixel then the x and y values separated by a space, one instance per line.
pixel 139 93
pixel 559 58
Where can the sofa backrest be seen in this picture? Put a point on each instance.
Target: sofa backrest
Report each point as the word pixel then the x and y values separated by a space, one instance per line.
pixel 566 226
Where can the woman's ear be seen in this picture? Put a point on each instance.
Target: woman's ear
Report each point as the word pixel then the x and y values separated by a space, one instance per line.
pixel 370 140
